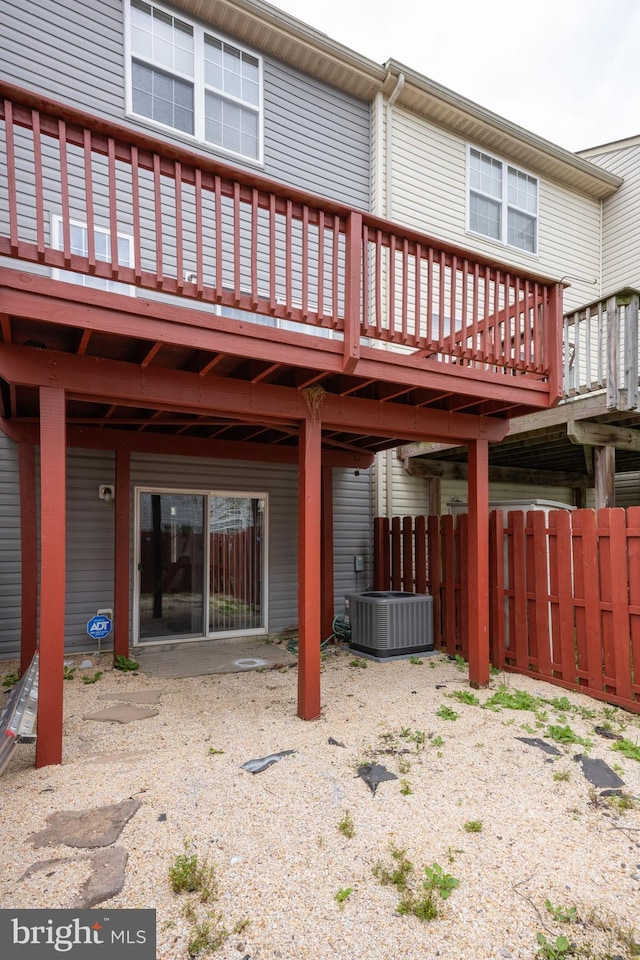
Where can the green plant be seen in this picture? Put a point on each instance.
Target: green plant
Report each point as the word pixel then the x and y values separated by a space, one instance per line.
pixel 405 733
pixel 436 741
pixel 437 879
pixel 464 696
pixel 125 664
pixel 10 679
pixel 460 661
pixel 451 854
pixel 214 752
pixel 432 664
pixel 342 895
pixel 554 951
pixel 358 662
pixel 416 661
pixel 473 826
pixel 627 748
pixel 404 765
pixel 69 672
pixel 566 735
pixel 561 776
pixel 346 826
pixel 561 914
pixel 511 700
pixel 92 678
pixel 446 713
pixel 208 935
pixel 622 801
pixel 401 870
pixel 189 874
pixel 418 737
pixel 405 788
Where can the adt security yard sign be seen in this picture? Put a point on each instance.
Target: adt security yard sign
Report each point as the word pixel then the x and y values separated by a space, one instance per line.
pixel 99 627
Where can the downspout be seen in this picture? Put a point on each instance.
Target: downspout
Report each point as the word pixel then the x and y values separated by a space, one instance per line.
pixel 388 206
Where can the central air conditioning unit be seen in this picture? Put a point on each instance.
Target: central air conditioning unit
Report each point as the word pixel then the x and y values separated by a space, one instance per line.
pixel 390 623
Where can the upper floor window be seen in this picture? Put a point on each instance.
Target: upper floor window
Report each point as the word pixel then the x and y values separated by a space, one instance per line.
pixel 503 202
pixel 187 78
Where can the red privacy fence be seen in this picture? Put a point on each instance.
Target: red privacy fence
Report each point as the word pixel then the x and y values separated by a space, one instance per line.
pixel 564 591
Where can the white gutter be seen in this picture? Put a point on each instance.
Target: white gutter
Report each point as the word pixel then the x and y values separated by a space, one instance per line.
pixel 397 90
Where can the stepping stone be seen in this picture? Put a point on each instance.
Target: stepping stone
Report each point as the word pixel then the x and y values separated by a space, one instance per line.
pixel 541 744
pixel 122 713
pixel 106 879
pixel 598 773
pixel 142 696
pixel 97 827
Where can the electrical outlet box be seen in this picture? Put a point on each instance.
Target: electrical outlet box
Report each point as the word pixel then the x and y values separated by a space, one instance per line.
pixel 358 564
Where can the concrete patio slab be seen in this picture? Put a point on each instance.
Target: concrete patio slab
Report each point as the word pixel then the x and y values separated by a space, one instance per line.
pixel 95 827
pixel 213 656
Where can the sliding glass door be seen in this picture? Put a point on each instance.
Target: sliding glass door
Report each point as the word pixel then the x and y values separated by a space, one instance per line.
pixel 201 565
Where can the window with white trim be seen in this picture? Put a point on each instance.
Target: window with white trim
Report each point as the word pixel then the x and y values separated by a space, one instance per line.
pixel 503 202
pixel 79 245
pixel 189 79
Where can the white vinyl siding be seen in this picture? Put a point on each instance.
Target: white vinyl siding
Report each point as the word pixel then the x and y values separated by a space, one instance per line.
pixel 621 220
pixel 430 194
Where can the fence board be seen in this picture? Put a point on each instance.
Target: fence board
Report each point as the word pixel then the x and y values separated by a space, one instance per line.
pixel 561 585
pixel 518 591
pixel 448 584
pixel 633 554
pixel 541 585
pixel 407 554
pixel 496 589
pixel 434 563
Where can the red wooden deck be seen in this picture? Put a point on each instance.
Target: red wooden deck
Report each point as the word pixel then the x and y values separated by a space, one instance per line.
pixel 253 321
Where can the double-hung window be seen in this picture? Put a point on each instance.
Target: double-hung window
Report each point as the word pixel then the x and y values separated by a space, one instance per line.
pixel 188 79
pixel 503 202
pixel 79 245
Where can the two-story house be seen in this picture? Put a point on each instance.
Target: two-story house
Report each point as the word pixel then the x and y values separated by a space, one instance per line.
pixel 234 269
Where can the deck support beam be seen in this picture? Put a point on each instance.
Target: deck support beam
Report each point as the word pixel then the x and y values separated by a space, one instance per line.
pixel 328 600
pixel 309 567
pixel 28 554
pixel 478 563
pixel 52 574
pixel 122 553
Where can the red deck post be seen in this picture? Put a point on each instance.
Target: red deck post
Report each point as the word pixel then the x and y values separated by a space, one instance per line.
pixel 29 554
pixel 52 574
pixel 478 566
pixel 122 553
pixel 328 601
pixel 309 567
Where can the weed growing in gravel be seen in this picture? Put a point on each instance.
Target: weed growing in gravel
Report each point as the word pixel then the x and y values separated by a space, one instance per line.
pixel 10 679
pixel 446 713
pixel 189 874
pixel 346 826
pixel 561 776
pixel 566 735
pixel 207 935
pixel 416 661
pixel 627 748
pixel 214 752
pixel 451 854
pixel 461 663
pixel 473 826
pixel 125 665
pixel 404 765
pixel 436 741
pixel 359 662
pixel 561 914
pixel 421 903
pixel 432 664
pixel 69 672
pixel 464 696
pixel 343 895
pixel 92 678
pixel 405 788
pixel 622 802
pixel 511 700
pixel 554 951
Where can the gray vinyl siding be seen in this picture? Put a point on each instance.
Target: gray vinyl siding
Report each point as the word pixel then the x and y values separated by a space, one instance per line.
pixel 90 532
pixel 9 548
pixel 628 489
pixel 315 137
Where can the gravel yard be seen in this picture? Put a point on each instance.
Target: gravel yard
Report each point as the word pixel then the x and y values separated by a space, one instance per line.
pixel 513 824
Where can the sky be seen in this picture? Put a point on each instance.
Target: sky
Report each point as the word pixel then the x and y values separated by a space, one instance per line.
pixel 567 70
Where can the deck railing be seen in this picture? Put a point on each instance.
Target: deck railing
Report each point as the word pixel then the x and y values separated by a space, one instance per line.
pixel 98 200
pixel 600 350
